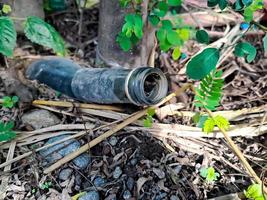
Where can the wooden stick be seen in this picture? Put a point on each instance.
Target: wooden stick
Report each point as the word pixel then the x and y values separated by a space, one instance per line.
pixel 107 134
pixel 75 104
pixel 237 151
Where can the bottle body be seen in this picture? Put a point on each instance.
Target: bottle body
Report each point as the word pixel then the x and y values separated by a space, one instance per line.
pixel 140 86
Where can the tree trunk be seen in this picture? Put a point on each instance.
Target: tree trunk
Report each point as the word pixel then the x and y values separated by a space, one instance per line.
pixel 110 24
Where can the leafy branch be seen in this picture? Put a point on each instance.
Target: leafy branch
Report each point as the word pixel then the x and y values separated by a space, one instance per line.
pixel 35 29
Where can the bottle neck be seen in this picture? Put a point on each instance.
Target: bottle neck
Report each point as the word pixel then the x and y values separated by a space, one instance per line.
pixel 146 86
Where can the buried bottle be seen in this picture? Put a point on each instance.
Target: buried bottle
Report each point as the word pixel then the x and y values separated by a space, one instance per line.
pixel 140 86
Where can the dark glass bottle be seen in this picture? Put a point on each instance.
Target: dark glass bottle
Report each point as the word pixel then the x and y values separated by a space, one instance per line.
pixel 140 86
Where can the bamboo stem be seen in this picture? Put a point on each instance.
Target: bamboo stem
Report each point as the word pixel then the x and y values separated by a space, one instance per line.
pixel 77 105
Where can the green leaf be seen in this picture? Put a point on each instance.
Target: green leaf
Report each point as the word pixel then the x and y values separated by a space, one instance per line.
pixel 154 20
pixel 254 191
pixel 221 122
pixel 8 36
pixel 253 7
pixel 202 63
pixel 238 5
pixel 148 121
pixel 202 120
pixel 209 173
pixel 161 9
pixel 124 3
pixel 212 3
pixel 245 49
pixel 223 4
pixel 212 175
pixel 151 111
pixel 166 24
pixel 161 34
pixel 209 125
pixel 9 125
pixel 124 42
pixel 15 99
pixel 165 45
pixel 40 32
pixel 202 37
pixel 247 2
pixel 6 9
pixel 173 38
pixel 6 133
pixel 176 53
pixel 265 43
pixel 174 2
pixel 184 34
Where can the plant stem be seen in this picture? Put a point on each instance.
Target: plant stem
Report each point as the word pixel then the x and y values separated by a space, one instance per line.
pixel 236 150
pixel 18 18
pixel 264 28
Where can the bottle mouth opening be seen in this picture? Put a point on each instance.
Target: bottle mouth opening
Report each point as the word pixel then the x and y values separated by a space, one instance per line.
pixel 148 86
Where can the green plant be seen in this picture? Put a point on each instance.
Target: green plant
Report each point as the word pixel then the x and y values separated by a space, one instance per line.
pixel 169 35
pixel 254 192
pixel 9 102
pixel 209 174
pixel 46 185
pixel 148 121
pixel 6 132
pixel 35 29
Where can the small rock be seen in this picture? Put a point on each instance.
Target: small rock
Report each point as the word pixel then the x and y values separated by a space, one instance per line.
pixel 177 169
pixel 65 174
pixel 161 196
pixel 99 181
pixel 92 195
pixel 127 194
pixel 133 161
pixel 113 141
pixel 173 197
pixel 39 119
pixel 117 172
pixel 56 152
pixel 130 183
pixel 159 173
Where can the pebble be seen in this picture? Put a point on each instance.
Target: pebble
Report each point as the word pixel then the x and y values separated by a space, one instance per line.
pixel 130 183
pixel 39 119
pixel 113 141
pixel 65 174
pixel 99 181
pixel 173 197
pixel 178 169
pixel 117 172
pixel 161 196
pixel 127 194
pixel 58 151
pixel 92 195
pixel 133 161
pixel 160 173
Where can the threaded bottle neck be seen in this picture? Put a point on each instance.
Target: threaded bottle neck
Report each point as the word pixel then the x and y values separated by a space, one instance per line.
pixel 146 86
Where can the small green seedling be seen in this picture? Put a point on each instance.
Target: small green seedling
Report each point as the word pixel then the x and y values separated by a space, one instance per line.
pixel 254 192
pixel 209 174
pixel 33 190
pixel 6 9
pixel 46 185
pixel 9 102
pixel 148 121
pixel 6 132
